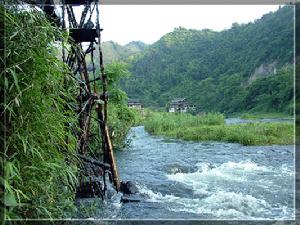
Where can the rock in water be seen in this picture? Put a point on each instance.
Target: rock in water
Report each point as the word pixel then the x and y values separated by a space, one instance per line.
pixel 128 187
pixel 127 199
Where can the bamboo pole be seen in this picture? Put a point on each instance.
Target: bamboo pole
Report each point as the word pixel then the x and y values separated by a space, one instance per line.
pixel 108 154
pixel 111 157
pixel 109 148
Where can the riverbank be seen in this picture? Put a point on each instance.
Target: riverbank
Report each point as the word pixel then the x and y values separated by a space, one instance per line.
pixel 212 127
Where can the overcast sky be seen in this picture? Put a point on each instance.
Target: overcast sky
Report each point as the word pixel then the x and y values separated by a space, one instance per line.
pixel 148 23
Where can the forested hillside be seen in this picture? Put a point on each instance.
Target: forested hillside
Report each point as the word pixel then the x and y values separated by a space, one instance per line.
pixel 245 68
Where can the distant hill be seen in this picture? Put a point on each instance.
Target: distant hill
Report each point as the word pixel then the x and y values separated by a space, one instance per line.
pixel 113 51
pixel 244 68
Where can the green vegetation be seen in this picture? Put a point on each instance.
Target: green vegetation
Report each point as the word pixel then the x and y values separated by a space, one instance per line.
pixel 211 127
pixel 40 161
pixel 243 69
pixel 121 118
pixel 211 69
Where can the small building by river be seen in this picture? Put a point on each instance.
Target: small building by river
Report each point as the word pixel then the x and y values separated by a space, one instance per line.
pixel 178 105
pixel 134 103
pixel 181 105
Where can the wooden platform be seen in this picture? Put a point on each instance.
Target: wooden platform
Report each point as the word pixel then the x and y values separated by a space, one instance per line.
pixel 84 35
pixel 77 2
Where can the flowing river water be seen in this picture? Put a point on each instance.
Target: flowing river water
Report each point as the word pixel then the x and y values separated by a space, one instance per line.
pixel 201 180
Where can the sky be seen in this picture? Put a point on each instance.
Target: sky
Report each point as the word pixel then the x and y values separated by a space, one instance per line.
pixel 148 23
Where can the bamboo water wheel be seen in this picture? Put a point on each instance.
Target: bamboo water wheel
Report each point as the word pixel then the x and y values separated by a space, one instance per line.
pixel 87 31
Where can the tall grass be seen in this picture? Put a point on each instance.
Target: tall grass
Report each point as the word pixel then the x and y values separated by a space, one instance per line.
pixel 166 122
pixel 246 134
pixel 211 127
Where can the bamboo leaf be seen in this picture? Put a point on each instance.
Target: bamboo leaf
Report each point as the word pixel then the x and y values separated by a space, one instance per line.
pixel 13 73
pixel 10 200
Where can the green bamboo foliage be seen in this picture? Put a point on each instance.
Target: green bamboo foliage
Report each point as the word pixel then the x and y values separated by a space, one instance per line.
pixel 40 124
pixel 40 164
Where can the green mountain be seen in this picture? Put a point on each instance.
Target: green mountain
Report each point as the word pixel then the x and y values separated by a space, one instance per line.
pixel 244 68
pixel 113 51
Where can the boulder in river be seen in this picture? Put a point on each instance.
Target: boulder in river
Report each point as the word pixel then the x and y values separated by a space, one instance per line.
pixel 128 187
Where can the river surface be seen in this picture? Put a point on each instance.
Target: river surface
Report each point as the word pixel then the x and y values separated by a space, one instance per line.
pixel 264 120
pixel 201 180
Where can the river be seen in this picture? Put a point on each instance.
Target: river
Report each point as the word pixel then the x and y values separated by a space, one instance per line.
pixel 201 180
pixel 237 120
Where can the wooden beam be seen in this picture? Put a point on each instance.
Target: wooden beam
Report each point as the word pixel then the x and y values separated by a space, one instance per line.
pixel 104 166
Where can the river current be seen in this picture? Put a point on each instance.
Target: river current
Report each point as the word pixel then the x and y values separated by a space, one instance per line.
pixel 201 180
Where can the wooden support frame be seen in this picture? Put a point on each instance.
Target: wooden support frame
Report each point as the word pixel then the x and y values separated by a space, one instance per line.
pixel 87 98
